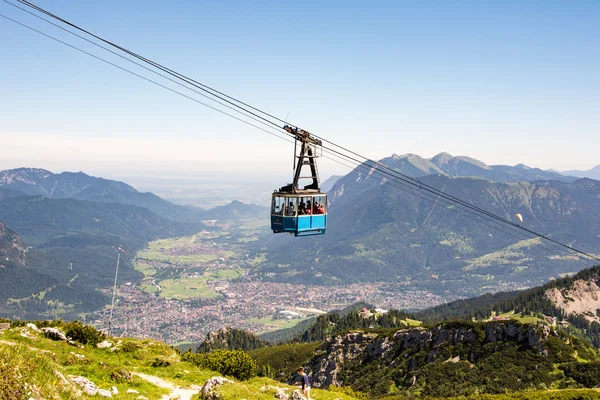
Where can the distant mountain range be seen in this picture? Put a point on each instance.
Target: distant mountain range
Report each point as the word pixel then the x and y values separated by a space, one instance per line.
pixel 388 232
pixel 237 210
pixel 79 186
pixel 73 223
pixel 593 173
pixel 329 182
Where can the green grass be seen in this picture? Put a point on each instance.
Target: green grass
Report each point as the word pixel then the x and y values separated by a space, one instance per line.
pixel 145 268
pixel 275 324
pixel 35 359
pixel 224 274
pixel 251 390
pixel 173 259
pixel 186 288
pixel 510 255
pixel 148 288
pixel 158 250
pixel 412 322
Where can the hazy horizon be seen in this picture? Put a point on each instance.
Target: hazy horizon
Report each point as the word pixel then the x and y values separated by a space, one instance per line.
pixel 199 175
pixel 505 83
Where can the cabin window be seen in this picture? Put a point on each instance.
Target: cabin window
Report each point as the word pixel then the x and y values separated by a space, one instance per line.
pixel 278 205
pixel 291 206
pixel 319 204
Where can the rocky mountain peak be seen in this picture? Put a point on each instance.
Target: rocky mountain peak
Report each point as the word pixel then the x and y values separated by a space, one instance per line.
pixel 441 158
pixel 25 175
pixel 582 298
pixel 12 249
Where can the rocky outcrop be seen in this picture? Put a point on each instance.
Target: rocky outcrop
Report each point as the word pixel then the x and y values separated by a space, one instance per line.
pixel 55 334
pixel 418 345
pixel 12 249
pixel 325 369
pixel 583 298
pixel 210 386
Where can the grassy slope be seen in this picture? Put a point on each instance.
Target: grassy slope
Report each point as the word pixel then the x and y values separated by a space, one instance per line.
pixel 36 359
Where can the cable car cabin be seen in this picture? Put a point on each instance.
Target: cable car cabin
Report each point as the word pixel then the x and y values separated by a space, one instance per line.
pixel 300 214
pixel 301 210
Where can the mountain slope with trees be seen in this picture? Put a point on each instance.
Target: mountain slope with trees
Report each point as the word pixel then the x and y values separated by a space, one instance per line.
pixel 390 234
pixel 80 186
pixel 535 301
pixel 73 252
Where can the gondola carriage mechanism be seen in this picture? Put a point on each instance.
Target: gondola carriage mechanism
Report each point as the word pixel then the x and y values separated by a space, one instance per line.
pixel 301 211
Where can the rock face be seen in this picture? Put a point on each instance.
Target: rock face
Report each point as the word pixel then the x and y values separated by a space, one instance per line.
pixel 327 368
pixel 582 299
pixel 55 334
pixel 104 345
pixel 88 386
pixel 339 349
pixel 210 385
pixel 12 249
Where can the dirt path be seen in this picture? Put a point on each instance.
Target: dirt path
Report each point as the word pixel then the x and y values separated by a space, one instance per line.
pixel 177 393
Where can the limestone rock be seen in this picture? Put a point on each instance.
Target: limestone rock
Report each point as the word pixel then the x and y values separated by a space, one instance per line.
pixel 114 390
pixel 79 356
pixel 280 393
pixel 55 334
pixel 104 345
pixel 297 395
pixel 61 377
pixel 88 386
pixel 211 384
pixel 105 393
pixel 132 391
pixel 33 327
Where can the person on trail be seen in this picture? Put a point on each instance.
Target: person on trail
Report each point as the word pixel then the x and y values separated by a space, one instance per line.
pixel 305 386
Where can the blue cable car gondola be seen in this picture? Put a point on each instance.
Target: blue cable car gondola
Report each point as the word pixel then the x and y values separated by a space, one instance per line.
pixel 302 212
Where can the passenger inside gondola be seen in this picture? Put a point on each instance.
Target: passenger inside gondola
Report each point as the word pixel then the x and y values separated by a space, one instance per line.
pixel 290 210
pixel 308 208
pixel 302 208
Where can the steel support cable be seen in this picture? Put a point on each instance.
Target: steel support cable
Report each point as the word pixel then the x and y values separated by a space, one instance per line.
pixel 422 186
pixel 397 175
pixel 206 88
pixel 169 71
pixel 146 79
pixel 235 109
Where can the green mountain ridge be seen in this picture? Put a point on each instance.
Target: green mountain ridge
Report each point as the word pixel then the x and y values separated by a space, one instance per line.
pixel 73 252
pixel 534 301
pixel 393 235
pixel 80 186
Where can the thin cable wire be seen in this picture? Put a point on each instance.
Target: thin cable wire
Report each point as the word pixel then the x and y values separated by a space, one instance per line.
pixel 497 226
pixel 190 81
pixel 144 78
pixel 237 110
pixel 394 174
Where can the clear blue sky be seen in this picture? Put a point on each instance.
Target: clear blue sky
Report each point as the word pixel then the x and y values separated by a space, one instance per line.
pixel 505 82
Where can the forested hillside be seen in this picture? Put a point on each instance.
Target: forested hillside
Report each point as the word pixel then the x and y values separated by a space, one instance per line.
pixel 533 301
pixel 73 252
pixel 230 339
pixel 448 359
pixel 393 235
pixel 80 186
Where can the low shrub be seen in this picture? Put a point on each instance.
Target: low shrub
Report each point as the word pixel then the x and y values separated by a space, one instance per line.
pixel 83 334
pixel 235 363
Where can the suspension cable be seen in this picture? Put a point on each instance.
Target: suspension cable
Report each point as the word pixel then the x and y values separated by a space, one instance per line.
pixel 389 173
